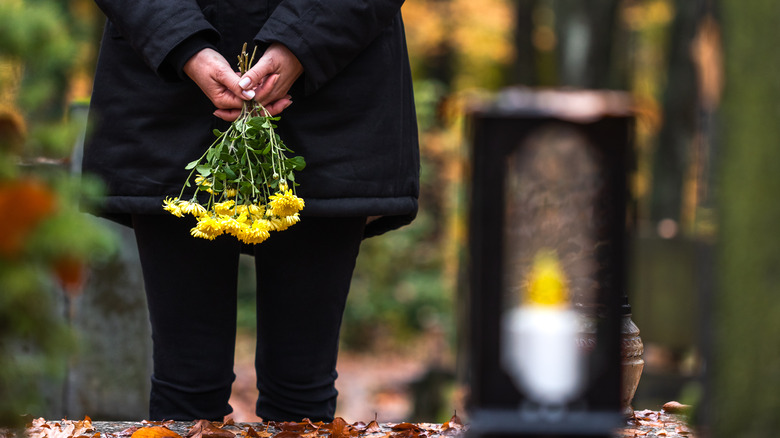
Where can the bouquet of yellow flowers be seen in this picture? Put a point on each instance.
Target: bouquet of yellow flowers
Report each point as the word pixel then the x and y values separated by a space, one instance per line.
pixel 249 179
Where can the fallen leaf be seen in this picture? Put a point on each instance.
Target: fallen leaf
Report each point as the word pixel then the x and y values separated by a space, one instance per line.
pixel 40 428
pixel 252 433
pixel 674 407
pixel 204 429
pixel 127 432
pixel 683 430
pixel 288 434
pixel 154 432
pixel 338 428
pixel 291 426
pixel 406 426
pixel 646 414
pixel 373 427
pixel 453 426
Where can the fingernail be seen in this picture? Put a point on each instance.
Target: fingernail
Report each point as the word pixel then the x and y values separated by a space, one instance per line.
pixel 244 82
pixel 288 104
pixel 250 94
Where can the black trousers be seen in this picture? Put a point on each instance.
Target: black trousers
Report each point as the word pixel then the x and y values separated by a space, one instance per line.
pixel 303 277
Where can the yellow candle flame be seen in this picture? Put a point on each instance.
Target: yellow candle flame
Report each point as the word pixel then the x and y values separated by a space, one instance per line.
pixel 547 283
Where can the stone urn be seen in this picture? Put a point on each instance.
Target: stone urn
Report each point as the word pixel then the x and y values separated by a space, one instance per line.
pixel 632 350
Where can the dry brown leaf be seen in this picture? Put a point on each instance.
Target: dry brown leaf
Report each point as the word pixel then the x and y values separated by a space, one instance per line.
pixel 40 428
pixel 154 432
pixel 126 433
pixel 288 434
pixel 338 428
pixel 252 433
pixel 683 430
pixel 646 414
pixel 204 429
pixel 453 426
pixel 406 426
pixel 373 427
pixel 674 407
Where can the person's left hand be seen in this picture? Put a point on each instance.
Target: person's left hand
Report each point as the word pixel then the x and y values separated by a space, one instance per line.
pixel 270 79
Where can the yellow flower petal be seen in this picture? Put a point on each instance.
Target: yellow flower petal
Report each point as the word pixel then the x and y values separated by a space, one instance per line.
pixel 171 205
pixel 285 204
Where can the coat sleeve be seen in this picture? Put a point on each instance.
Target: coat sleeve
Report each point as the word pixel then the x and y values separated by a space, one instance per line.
pixel 155 28
pixel 326 35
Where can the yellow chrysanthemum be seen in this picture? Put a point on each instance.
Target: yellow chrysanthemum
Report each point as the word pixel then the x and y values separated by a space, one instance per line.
pixel 283 223
pixel 230 225
pixel 256 210
pixel 235 225
pixel 230 193
pixel 171 205
pixel 224 208
pixel 285 204
pixel 193 208
pixel 260 230
pixel 208 227
pixel 195 232
pixel 256 233
pixel 203 183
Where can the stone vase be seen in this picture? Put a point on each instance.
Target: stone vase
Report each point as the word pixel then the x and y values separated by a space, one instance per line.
pixel 632 350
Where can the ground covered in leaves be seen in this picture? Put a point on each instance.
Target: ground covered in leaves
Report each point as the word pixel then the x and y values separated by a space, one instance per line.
pixel 339 428
pixel 646 423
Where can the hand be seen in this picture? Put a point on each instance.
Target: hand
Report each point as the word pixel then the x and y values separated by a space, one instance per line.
pixel 270 79
pixel 218 81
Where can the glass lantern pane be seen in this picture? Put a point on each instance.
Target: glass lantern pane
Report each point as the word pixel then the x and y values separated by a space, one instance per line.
pixel 551 244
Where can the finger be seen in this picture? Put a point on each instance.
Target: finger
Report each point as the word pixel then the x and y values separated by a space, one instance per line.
pixel 254 77
pixel 278 106
pixel 225 77
pixel 227 115
pixel 265 93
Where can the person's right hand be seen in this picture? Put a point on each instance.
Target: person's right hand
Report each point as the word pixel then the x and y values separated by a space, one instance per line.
pixel 213 74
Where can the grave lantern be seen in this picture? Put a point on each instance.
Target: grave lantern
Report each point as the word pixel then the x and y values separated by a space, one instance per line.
pixel 547 262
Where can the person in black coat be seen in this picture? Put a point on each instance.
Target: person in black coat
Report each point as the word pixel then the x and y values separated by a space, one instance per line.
pixel 338 72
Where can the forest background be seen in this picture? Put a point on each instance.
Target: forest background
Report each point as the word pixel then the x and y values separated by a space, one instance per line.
pixel 672 56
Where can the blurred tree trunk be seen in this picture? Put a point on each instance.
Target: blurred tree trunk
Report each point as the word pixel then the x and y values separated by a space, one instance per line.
pixel 746 359
pixel 680 109
pixel 590 48
pixel 587 34
pixel 524 70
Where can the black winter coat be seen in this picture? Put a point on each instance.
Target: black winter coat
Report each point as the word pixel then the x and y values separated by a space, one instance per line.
pixel 352 116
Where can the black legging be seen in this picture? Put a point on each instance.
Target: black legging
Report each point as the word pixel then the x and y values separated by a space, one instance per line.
pixel 303 277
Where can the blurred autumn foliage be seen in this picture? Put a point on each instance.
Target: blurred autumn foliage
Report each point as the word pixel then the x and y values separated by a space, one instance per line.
pixel 46 242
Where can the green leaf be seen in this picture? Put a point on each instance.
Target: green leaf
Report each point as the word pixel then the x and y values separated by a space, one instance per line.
pixel 204 170
pixel 191 165
pixel 226 157
pixel 217 132
pixel 297 162
pixel 256 121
